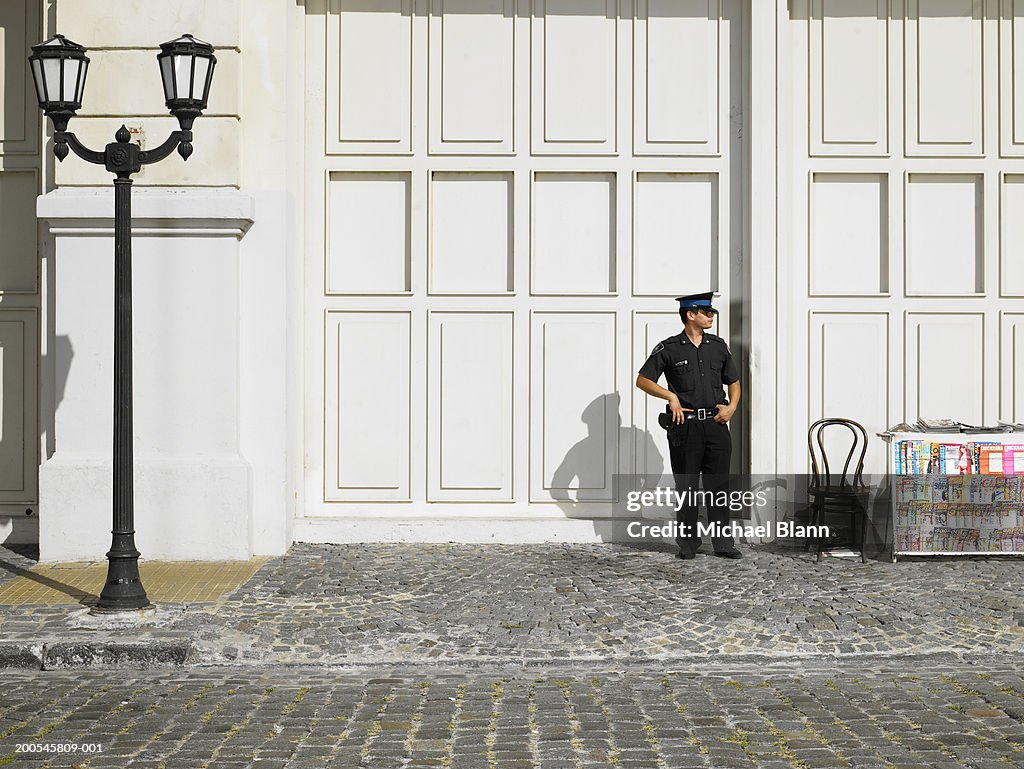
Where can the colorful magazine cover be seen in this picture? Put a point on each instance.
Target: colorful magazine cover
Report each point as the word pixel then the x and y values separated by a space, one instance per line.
pixel 991 461
pixel 955 459
pixel 1013 459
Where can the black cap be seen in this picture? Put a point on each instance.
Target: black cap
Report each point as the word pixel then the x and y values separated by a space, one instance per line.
pixel 695 300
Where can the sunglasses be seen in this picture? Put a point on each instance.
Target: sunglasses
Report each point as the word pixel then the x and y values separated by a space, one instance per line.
pixel 711 312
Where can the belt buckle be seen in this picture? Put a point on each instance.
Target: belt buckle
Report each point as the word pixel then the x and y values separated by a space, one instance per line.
pixel 702 414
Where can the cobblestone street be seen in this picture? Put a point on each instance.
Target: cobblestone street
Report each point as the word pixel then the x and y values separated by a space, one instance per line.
pixel 505 603
pixel 927 718
pixel 531 657
pixel 362 605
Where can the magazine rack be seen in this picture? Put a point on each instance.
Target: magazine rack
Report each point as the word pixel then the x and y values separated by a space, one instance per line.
pixel 956 493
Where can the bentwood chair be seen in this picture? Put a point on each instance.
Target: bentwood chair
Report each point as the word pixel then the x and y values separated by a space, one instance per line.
pixel 835 493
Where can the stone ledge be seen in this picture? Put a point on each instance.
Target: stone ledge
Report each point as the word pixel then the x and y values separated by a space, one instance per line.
pixel 188 211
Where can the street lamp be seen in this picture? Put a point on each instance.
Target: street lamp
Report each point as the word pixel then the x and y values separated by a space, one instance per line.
pixel 59 67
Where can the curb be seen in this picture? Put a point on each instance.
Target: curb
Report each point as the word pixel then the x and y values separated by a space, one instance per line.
pixel 15 655
pixel 686 665
pixel 71 655
pixel 60 656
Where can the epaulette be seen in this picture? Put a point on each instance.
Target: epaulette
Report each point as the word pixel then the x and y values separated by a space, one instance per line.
pixel 661 345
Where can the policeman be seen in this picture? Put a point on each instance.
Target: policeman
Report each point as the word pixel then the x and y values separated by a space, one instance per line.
pixel 696 364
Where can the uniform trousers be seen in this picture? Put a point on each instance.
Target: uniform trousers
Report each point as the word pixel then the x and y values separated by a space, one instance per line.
pixel 701 446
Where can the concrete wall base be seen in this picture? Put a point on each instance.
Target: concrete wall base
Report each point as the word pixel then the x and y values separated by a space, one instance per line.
pixel 194 509
pixel 463 530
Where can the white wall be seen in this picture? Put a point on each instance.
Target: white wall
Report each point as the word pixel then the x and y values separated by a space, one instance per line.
pixel 192 484
pixel 532 217
pixel 213 262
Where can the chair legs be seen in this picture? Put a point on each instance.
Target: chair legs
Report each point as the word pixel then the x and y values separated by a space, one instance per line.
pixel 863 533
pixel 817 517
pixel 812 521
pixel 814 539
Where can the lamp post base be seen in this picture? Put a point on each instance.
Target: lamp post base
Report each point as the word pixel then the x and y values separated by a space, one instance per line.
pixel 144 613
pixel 123 590
pixel 96 618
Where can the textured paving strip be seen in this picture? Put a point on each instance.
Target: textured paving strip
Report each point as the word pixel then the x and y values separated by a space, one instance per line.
pixel 165 581
pixel 371 605
pixel 955 717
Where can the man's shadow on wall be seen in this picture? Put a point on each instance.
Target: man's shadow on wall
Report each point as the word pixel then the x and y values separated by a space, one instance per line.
pixel 588 459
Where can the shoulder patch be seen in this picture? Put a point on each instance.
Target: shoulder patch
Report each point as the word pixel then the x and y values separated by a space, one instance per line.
pixel 658 348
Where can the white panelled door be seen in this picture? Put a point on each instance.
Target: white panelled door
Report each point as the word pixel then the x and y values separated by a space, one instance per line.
pixel 502 200
pixel 900 250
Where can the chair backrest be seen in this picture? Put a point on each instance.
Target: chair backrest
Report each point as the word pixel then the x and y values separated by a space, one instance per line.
pixel 821 470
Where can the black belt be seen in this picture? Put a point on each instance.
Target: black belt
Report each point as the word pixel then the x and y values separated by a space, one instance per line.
pixel 702 414
pixel 699 414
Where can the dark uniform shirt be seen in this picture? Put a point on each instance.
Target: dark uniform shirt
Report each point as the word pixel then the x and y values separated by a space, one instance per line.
pixel 695 374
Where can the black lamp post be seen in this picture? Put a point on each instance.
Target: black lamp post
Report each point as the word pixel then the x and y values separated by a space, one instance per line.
pixel 59 67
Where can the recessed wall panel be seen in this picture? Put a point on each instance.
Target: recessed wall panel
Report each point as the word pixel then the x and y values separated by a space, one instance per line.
pixel 849 238
pixel 369 83
pixel 368 233
pixel 573 244
pixel 1011 84
pixel 574 406
pixel 650 448
pixel 471 402
pixel 18 435
pixel 1016 83
pixel 14 72
pixel 944 53
pixel 367 391
pixel 849 55
pixel 944 232
pixel 1011 246
pixel 472 64
pixel 18 258
pixel 20 27
pixel 471 233
pixel 572 87
pixel 1011 373
pixel 850 376
pixel 675 232
pixel 677 77
pixel 945 366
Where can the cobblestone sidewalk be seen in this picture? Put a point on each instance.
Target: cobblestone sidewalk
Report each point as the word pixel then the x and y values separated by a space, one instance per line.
pixel 952 717
pixel 464 605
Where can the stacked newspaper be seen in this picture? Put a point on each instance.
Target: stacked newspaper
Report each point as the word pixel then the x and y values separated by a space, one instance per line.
pixel 938 425
pixel 1000 428
pixel 923 425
